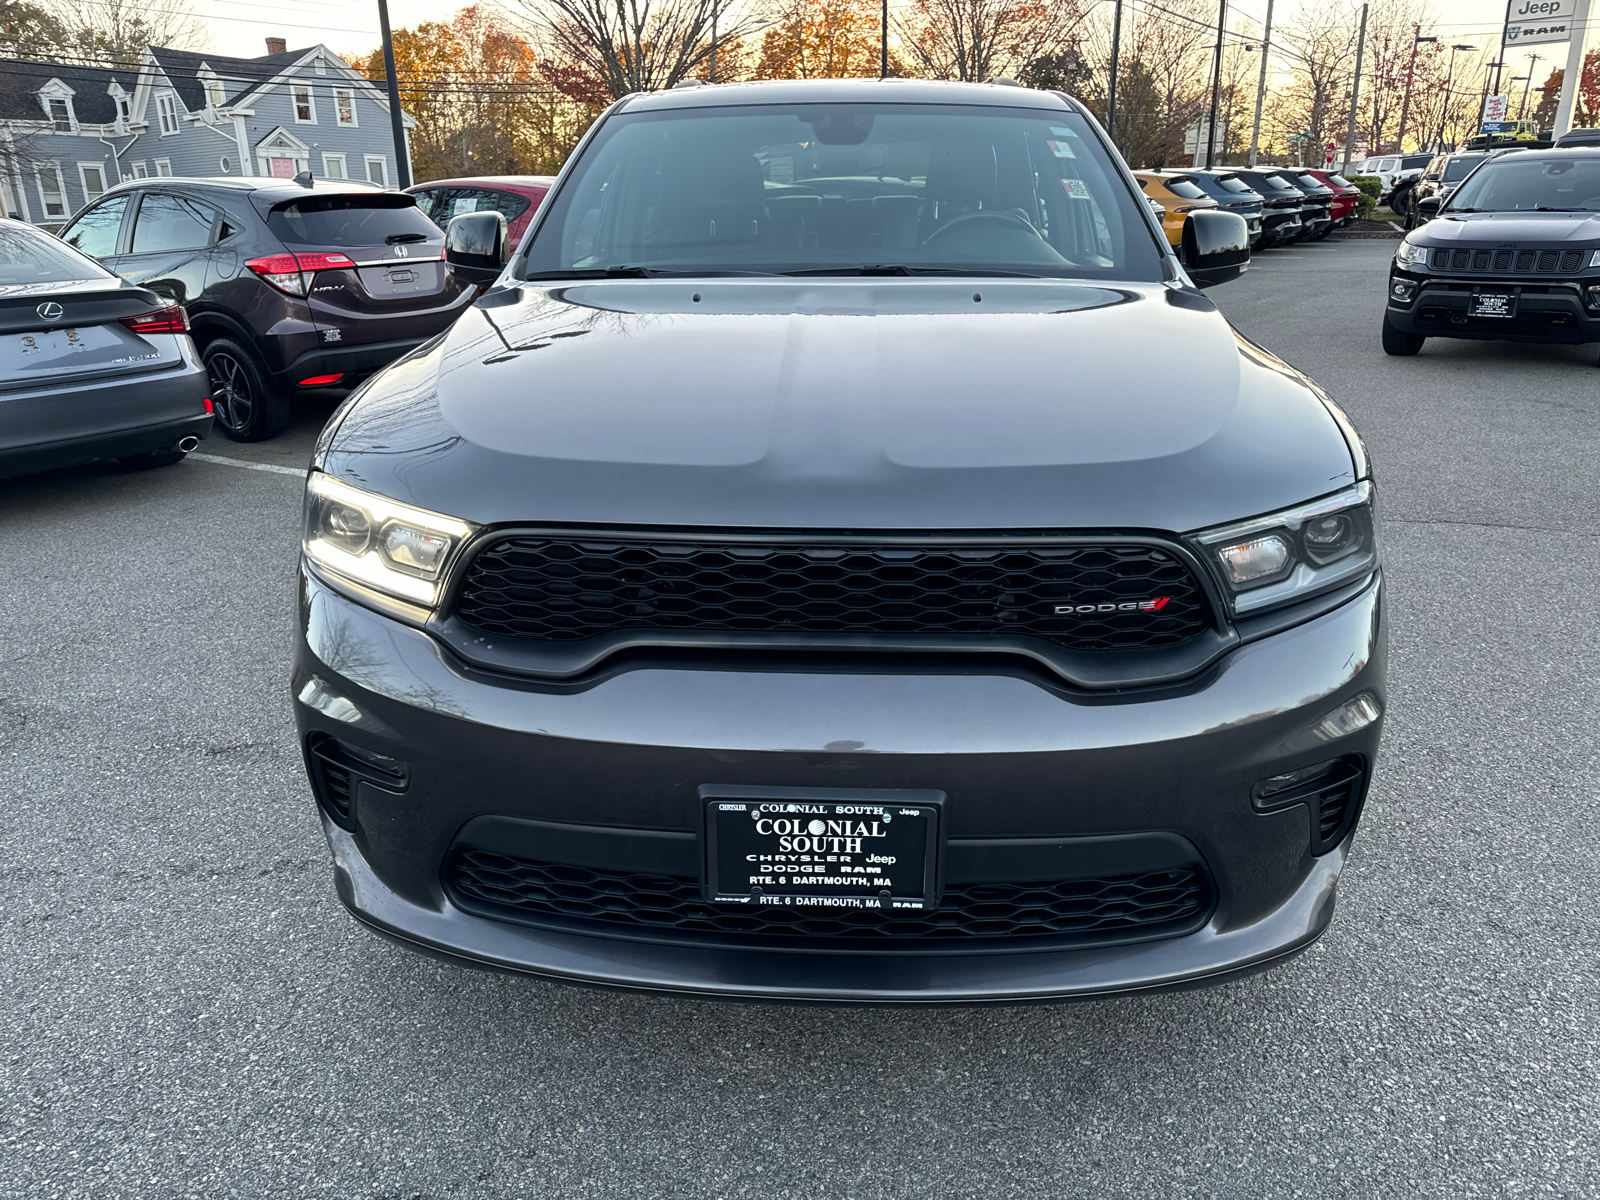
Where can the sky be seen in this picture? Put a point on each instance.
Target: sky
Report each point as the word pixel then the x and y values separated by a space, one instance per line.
pixel 240 27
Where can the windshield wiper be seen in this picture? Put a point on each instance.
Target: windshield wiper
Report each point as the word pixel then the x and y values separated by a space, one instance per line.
pixel 1547 208
pixel 902 269
pixel 395 239
pixel 629 272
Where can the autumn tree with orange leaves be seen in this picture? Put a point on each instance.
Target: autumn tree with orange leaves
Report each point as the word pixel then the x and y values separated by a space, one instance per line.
pixel 974 40
pixel 824 39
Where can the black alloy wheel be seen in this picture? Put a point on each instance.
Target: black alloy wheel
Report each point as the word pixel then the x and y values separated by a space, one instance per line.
pixel 248 408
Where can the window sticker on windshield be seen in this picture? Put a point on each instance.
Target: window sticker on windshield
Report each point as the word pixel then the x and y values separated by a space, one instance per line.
pixel 1077 189
pixel 1061 150
pixel 1062 131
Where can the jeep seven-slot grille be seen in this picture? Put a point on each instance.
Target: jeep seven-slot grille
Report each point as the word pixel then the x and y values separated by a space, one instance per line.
pixel 1087 597
pixel 1144 904
pixel 1520 261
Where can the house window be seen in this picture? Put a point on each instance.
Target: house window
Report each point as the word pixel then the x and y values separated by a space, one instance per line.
pixel 8 202
pixel 214 93
pixel 61 115
pixel 123 111
pixel 305 113
pixel 225 163
pixel 344 103
pixel 93 176
pixel 140 171
pixel 167 111
pixel 333 167
pixel 164 168
pixel 51 192
pixel 377 170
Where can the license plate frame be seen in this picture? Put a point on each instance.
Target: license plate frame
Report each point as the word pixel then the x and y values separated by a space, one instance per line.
pixel 1494 306
pixel 876 837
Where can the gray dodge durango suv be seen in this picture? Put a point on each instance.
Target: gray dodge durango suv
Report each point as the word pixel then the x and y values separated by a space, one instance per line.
pixel 843 557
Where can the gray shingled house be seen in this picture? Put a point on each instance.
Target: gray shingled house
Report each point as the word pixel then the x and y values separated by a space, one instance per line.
pixel 69 132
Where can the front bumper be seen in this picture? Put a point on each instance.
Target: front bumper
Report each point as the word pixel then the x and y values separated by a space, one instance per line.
pixel 1549 311
pixel 1020 766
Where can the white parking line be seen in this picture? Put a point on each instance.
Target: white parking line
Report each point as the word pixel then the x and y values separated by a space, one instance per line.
pixel 249 466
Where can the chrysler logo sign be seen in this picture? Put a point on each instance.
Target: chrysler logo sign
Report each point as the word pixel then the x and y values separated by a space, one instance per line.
pixel 50 310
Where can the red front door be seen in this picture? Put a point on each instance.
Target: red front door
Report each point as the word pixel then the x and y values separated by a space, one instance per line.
pixel 282 168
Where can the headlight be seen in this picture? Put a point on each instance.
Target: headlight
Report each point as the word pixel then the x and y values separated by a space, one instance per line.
pixel 1594 259
pixel 1291 555
pixel 381 544
pixel 1411 255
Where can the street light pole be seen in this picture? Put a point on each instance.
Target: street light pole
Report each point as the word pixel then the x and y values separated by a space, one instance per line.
pixel 1449 80
pixel 1261 84
pixel 1405 105
pixel 397 120
pixel 883 42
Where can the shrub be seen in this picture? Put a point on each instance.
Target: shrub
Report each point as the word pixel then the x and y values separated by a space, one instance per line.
pixel 1371 188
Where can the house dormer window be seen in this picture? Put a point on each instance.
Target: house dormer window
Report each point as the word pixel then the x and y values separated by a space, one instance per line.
pixel 305 111
pixel 167 113
pixel 60 114
pixel 214 93
pixel 124 113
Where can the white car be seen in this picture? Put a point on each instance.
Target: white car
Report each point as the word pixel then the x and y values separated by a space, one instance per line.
pixel 1393 169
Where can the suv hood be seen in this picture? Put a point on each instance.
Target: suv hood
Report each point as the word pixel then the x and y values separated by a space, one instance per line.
pixel 842 404
pixel 1476 229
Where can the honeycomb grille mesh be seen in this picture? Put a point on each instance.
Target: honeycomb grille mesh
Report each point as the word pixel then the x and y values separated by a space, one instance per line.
pixel 563 589
pixel 1140 903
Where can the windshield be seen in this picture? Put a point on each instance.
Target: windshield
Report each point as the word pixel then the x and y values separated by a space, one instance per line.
pixel 1456 169
pixel 1518 183
pixel 841 187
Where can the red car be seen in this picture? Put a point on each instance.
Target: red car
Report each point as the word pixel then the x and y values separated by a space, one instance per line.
pixel 515 196
pixel 1345 196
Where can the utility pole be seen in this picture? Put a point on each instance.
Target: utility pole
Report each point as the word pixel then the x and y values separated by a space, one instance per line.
pixel 1449 79
pixel 397 120
pixel 1111 87
pixel 883 42
pixel 1502 55
pixel 1216 85
pixel 1355 91
pixel 1569 81
pixel 1261 85
pixel 1527 82
pixel 713 71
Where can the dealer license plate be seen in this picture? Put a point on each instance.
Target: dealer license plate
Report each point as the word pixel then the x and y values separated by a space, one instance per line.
pixel 1493 304
pixel 822 854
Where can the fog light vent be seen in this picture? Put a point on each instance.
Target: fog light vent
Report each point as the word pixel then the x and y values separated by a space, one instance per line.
pixel 336 769
pixel 1331 791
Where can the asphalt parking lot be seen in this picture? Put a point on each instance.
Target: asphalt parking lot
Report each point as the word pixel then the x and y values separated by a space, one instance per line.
pixel 187 1011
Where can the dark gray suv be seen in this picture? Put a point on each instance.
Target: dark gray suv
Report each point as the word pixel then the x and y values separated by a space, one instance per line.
pixel 843 557
pixel 289 284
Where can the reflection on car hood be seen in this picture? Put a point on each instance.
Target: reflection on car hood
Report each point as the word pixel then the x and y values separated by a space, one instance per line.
pixel 839 404
pixel 1545 229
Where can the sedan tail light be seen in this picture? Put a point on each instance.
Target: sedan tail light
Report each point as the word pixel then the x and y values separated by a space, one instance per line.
pixel 171 319
pixel 287 272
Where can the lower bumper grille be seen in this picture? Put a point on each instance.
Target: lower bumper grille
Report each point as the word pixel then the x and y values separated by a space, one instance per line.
pixel 1143 905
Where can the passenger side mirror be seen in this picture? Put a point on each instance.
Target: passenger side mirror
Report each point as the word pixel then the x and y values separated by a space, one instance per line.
pixel 475 246
pixel 1428 207
pixel 1216 247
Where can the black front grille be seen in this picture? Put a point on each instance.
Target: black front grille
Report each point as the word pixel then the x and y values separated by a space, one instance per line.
pixel 1519 261
pixel 564 588
pixel 1145 904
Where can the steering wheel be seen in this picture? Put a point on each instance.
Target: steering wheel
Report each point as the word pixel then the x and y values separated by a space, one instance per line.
pixel 983 214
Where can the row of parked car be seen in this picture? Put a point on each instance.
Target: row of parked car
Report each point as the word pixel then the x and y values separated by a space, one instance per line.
pixel 1279 204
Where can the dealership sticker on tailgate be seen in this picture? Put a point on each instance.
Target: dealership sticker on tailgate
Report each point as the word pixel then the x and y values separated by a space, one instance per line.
pixel 822 854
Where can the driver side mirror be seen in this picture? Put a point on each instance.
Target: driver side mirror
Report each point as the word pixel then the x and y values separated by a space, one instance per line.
pixel 1216 247
pixel 475 247
pixel 1428 207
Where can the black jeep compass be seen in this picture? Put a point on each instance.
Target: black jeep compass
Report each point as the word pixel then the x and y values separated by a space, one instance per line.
pixel 1513 255
pixel 843 557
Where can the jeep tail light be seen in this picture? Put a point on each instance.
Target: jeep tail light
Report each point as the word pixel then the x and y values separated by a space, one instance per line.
pixel 287 272
pixel 171 319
